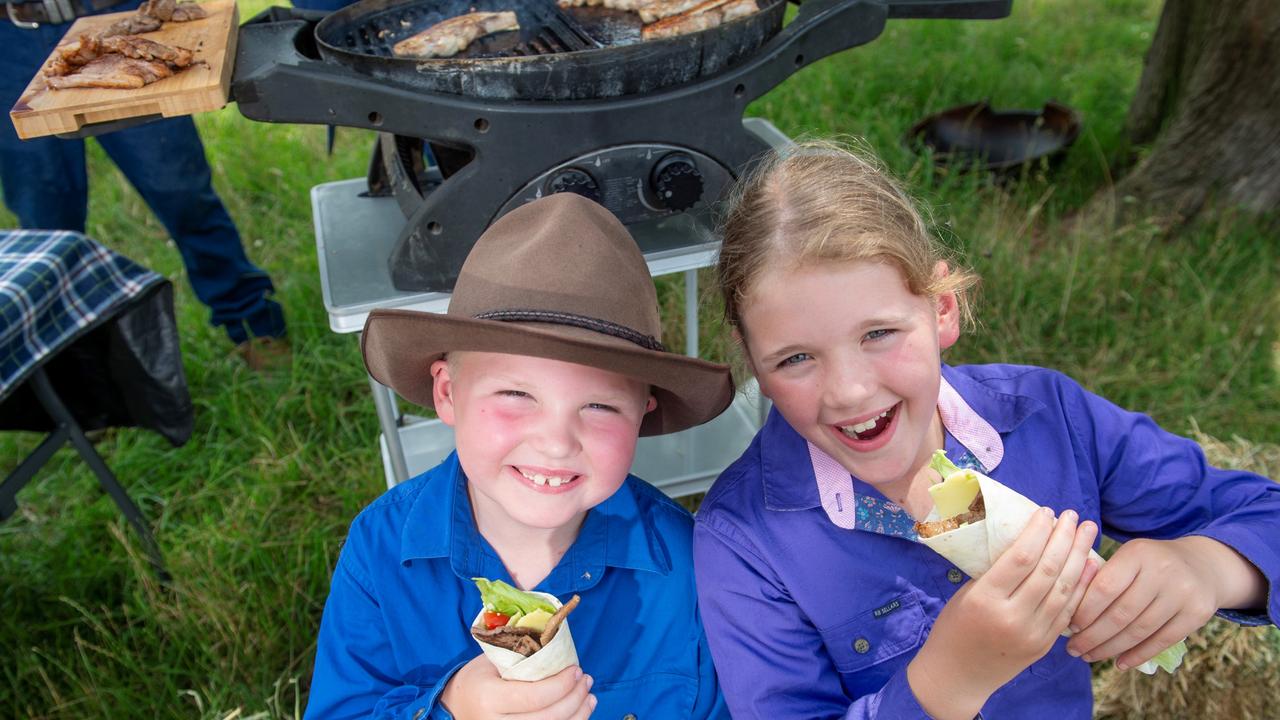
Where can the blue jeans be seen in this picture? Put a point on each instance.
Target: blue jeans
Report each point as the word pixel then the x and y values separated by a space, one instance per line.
pixel 321 4
pixel 46 185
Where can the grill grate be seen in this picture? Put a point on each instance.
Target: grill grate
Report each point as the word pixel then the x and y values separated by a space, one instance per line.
pixel 544 30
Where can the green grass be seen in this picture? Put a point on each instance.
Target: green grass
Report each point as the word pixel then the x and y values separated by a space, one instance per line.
pixel 251 512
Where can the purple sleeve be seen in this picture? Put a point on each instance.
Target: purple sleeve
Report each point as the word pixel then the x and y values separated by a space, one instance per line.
pixel 1159 485
pixel 771 661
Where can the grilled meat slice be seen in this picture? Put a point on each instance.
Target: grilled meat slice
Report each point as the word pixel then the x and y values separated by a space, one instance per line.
pixel 113 71
pixel 654 11
pixel 610 4
pixel 929 528
pixel 188 11
pixel 701 17
pixel 78 53
pixel 144 49
pixel 161 10
pixel 132 25
pixel 448 38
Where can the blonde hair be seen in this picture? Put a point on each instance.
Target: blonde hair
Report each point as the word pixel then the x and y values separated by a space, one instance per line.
pixel 820 202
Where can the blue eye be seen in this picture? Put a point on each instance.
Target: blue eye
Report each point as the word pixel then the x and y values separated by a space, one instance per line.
pixel 513 393
pixel 602 406
pixel 879 334
pixel 795 359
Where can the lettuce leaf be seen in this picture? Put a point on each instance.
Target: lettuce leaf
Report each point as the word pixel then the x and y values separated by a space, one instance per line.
pixel 942 464
pixel 498 596
pixel 1168 660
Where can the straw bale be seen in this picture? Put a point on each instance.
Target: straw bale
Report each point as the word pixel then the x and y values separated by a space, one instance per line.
pixel 1230 672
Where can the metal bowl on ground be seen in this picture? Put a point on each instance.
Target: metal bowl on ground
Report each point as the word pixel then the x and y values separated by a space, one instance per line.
pixel 975 135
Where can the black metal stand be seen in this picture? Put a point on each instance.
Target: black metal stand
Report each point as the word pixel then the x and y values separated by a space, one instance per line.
pixel 68 430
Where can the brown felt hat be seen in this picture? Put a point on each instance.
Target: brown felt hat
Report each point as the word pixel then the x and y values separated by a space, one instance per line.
pixel 557 278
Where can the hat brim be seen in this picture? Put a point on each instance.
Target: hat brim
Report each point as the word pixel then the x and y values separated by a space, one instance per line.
pixel 400 345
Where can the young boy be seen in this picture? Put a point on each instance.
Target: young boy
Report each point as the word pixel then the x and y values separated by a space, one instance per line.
pixel 548 367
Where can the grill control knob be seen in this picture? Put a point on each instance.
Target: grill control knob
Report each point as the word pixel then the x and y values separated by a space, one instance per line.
pixel 677 182
pixel 575 181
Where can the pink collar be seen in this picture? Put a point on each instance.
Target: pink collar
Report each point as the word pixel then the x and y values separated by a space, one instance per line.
pixel 835 484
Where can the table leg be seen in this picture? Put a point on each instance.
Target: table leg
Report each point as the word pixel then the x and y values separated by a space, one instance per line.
pixel 22 474
pixel 67 424
pixel 384 402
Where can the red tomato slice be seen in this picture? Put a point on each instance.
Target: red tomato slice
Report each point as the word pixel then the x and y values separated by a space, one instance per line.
pixel 494 619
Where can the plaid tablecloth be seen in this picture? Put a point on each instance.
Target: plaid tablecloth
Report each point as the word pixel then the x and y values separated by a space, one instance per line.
pixel 54 287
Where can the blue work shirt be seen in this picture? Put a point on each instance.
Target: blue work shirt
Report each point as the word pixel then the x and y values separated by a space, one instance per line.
pixel 397 622
pixel 811 614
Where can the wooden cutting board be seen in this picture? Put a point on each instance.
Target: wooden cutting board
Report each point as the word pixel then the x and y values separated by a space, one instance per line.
pixel 44 111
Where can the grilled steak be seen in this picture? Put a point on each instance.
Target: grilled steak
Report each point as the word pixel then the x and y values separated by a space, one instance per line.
pixel 113 71
pixel 701 17
pixel 448 38
pixel 67 58
pixel 610 4
pixel 144 49
pixel 654 11
pixel 172 10
pixel 132 25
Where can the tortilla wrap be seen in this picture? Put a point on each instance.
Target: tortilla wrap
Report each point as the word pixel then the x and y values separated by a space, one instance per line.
pixel 555 656
pixel 975 547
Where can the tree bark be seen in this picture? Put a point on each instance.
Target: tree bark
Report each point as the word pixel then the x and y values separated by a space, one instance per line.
pixel 1209 105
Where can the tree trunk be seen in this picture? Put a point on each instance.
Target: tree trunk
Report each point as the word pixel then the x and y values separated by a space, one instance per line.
pixel 1209 104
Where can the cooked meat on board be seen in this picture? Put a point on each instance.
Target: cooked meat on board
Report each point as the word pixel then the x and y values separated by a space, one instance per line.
pixel 448 38
pixel 701 17
pixel 172 10
pixel 118 61
pixel 112 71
pixel 132 25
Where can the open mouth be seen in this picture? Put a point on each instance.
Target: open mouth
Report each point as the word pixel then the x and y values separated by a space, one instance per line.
pixel 548 481
pixel 871 428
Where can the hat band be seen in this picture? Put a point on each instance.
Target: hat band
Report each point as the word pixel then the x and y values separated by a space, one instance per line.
pixel 605 327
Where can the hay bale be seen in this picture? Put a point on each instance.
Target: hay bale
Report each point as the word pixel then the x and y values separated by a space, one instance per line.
pixel 1230 671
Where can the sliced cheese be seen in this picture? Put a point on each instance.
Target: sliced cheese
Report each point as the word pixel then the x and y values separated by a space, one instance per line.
pixel 954 495
pixel 536 620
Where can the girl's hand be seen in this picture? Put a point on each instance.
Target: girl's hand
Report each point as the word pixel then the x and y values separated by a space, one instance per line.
pixel 996 626
pixel 1153 593
pixel 477 692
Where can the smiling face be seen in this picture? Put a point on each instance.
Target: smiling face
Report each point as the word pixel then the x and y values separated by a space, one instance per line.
pixel 541 441
pixel 851 358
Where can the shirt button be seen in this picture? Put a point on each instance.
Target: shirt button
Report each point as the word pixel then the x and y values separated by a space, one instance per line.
pixel 861 645
pixel 629 716
pixel 420 713
pixel 954 576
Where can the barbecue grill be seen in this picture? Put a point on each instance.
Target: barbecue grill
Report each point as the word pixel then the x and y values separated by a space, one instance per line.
pixel 573 102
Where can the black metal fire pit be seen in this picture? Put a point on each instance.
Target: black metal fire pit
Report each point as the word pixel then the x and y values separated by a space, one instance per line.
pixel 646 128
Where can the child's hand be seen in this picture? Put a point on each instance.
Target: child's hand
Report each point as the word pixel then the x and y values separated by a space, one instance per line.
pixel 1153 593
pixel 477 692
pixel 997 625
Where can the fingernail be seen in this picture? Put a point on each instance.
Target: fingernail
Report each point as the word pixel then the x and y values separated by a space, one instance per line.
pixel 1069 515
pixel 1073 652
pixel 1088 657
pixel 1046 511
pixel 1073 630
pixel 577 673
pixel 590 681
pixel 1122 665
pixel 592 700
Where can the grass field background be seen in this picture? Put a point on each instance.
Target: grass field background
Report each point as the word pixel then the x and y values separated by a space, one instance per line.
pixel 251 512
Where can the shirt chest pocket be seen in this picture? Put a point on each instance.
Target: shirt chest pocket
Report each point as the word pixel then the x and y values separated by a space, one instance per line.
pixel 658 696
pixel 864 645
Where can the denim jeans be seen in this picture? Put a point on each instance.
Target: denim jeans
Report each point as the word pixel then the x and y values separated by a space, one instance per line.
pixel 46 185
pixel 321 4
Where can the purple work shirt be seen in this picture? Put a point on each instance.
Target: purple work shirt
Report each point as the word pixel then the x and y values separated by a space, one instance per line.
pixel 814 611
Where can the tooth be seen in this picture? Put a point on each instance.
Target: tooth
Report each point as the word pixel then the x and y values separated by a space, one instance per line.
pixel 539 480
pixel 553 481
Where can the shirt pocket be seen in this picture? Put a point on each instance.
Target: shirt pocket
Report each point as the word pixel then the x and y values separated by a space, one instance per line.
pixel 657 696
pixel 894 626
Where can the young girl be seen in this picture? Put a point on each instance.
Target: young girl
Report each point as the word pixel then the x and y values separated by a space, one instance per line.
pixel 818 600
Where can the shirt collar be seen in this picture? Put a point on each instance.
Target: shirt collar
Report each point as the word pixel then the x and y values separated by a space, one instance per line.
pixel 615 534
pixel 799 476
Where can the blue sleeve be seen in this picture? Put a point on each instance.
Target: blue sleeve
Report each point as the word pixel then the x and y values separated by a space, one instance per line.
pixel 709 703
pixel 771 661
pixel 1155 484
pixel 355 675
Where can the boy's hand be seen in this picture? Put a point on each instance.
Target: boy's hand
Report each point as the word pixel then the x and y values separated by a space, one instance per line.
pixel 1153 593
pixel 477 692
pixel 997 625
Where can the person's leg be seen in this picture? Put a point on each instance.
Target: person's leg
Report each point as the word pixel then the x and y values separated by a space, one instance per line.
pixel 165 161
pixel 44 179
pixel 321 4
